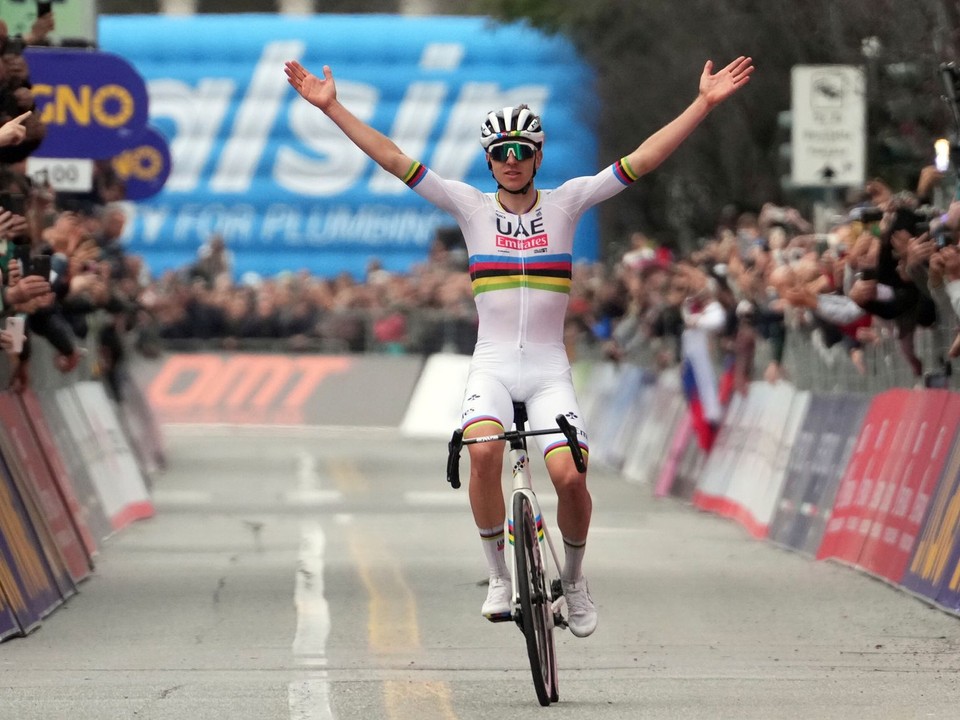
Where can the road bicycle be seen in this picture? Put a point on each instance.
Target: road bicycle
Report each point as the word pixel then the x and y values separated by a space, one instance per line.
pixel 537 592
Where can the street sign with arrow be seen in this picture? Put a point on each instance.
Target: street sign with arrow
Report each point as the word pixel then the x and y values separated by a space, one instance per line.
pixel 828 134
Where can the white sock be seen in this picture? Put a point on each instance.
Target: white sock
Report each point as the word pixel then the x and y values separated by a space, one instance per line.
pixel 572 560
pixel 493 549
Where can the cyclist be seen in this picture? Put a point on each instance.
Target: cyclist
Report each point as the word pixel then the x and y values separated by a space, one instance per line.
pixel 519 240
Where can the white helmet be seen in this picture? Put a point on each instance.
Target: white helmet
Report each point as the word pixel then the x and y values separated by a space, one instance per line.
pixel 518 122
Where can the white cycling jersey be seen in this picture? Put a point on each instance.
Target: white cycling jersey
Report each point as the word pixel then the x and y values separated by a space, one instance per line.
pixel 521 268
pixel 520 265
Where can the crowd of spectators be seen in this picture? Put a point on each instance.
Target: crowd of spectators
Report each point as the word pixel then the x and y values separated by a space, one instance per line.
pixel 886 266
pixel 65 276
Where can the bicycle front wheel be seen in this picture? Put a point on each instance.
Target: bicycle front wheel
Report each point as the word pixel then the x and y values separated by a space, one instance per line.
pixel 536 612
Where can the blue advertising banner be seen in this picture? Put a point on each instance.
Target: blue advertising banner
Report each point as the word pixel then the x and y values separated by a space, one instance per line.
pixel 94 104
pixel 8 623
pixel 255 163
pixel 25 578
pixel 145 167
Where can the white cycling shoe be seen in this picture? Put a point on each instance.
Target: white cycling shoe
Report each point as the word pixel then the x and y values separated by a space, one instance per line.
pixel 581 612
pixel 499 602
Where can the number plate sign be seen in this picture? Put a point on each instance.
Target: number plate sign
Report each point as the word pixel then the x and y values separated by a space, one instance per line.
pixel 62 174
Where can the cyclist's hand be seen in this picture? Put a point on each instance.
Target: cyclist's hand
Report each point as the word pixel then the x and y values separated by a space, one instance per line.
pixel 717 87
pixel 319 92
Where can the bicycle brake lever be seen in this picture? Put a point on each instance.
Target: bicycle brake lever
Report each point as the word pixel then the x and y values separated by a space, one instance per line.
pixel 453 458
pixel 570 433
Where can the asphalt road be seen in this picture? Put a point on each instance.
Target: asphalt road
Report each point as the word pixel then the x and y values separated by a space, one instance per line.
pixel 334 575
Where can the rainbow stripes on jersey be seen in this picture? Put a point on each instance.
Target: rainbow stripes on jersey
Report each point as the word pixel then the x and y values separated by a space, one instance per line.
pixel 415 174
pixel 544 272
pixel 625 174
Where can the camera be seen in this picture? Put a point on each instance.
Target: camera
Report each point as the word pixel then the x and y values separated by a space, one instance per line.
pixel 914 222
pixel 866 214
pixel 14 46
pixel 943 237
pixel 14 202
pixel 39 265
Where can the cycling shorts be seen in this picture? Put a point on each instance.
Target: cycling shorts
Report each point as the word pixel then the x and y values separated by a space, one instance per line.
pixel 536 374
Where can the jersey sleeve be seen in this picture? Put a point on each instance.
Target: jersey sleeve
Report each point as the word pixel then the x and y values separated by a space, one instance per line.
pixel 580 194
pixel 457 198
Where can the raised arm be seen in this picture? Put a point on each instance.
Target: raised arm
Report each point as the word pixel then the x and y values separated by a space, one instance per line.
pixel 322 93
pixel 714 89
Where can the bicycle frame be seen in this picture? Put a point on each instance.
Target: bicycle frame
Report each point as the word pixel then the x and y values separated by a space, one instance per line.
pixel 523 483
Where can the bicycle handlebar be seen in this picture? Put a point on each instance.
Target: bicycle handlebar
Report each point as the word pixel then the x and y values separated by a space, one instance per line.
pixel 453 458
pixel 570 433
pixel 457 442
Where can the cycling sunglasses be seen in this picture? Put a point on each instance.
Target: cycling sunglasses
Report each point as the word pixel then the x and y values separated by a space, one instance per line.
pixel 519 150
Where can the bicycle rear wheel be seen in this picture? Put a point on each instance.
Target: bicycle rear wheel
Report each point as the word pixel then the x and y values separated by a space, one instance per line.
pixel 536 612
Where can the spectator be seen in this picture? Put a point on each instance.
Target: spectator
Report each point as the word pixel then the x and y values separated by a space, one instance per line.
pixel 213 260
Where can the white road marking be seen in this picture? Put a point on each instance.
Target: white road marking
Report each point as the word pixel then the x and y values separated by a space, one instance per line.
pixel 309 697
pixel 308 490
pixel 313 613
pixel 312 498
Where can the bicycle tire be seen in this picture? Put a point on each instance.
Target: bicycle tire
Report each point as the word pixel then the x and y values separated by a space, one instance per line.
pixel 535 609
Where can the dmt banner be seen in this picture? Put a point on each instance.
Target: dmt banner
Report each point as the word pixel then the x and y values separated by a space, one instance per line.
pixel 255 163
pixel 280 389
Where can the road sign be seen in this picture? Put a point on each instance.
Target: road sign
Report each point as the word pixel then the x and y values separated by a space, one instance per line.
pixel 829 125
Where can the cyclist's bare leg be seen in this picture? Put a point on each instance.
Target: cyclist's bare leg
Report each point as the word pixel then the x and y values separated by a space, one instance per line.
pixel 486 501
pixel 574 507
pixel 574 504
pixel 486 488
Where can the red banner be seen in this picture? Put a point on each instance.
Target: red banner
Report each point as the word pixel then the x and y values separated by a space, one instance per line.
pixel 850 517
pixel 893 533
